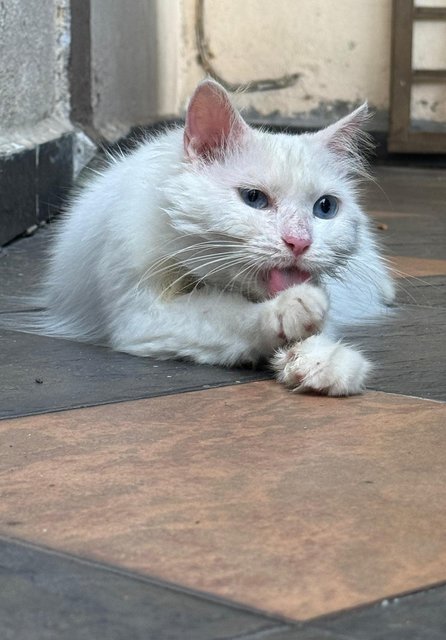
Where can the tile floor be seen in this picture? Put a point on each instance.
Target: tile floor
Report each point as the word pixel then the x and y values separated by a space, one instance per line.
pixel 201 507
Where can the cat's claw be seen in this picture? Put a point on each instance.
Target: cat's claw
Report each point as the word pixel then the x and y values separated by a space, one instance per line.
pixel 297 312
pixel 318 364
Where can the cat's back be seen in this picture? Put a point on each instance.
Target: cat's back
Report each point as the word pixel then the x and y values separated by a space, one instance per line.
pixel 104 232
pixel 117 202
pixel 126 180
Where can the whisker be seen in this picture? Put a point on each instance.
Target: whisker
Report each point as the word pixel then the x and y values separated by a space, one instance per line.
pixel 246 273
pixel 408 276
pixel 185 263
pixel 165 262
pixel 215 270
pixel 362 272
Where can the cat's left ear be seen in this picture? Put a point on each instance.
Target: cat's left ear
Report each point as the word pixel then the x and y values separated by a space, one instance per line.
pixel 347 136
pixel 212 123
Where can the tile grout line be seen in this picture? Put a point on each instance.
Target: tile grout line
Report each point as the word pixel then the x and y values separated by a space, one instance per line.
pixel 185 390
pixel 405 395
pixel 149 580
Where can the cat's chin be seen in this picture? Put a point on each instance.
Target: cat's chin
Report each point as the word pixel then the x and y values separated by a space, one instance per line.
pixel 277 280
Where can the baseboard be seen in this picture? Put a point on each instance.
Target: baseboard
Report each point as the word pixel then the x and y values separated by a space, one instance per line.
pixel 34 184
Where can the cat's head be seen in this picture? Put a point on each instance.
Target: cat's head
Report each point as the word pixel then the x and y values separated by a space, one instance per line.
pixel 260 211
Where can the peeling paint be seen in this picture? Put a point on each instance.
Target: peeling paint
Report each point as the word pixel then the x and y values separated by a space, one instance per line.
pixel 318 117
pixel 341 49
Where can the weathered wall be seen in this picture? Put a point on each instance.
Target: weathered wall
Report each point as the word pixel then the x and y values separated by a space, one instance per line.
pixel 105 65
pixel 341 49
pixel 34 44
pixel 144 60
pixel 124 47
pixel 36 136
pixel 134 59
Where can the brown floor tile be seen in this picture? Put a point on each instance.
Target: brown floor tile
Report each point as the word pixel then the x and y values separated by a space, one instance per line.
pixel 296 505
pixel 417 267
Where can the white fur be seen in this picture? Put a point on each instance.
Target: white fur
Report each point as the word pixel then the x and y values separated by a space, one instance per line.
pixel 129 239
pixel 322 365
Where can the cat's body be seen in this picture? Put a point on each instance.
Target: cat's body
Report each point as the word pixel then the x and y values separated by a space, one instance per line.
pixel 172 252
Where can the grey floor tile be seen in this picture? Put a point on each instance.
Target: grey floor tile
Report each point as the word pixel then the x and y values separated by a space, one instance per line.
pixel 39 374
pixel 418 616
pixel 428 291
pixel 409 353
pixel 46 596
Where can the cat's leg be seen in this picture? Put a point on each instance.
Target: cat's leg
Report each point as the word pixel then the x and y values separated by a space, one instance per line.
pixel 296 313
pixel 322 365
pixel 212 327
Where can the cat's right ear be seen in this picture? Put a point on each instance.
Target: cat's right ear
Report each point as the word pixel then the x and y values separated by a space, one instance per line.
pixel 212 123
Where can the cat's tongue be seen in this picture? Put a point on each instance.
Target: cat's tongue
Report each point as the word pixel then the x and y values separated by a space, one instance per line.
pixel 280 279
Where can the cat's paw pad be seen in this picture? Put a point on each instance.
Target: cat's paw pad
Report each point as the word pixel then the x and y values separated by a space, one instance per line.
pixel 298 312
pixel 318 364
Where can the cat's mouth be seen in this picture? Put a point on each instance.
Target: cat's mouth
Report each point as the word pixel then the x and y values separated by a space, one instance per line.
pixel 277 280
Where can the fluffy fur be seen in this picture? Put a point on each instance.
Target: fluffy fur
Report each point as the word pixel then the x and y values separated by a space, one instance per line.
pixel 159 255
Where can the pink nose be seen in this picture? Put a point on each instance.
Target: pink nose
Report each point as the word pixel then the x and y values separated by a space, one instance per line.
pixel 297 245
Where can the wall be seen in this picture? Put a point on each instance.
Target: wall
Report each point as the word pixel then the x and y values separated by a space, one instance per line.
pixel 36 136
pixel 340 49
pixel 34 44
pixel 123 64
pixel 73 72
pixel 143 60
pixel 120 69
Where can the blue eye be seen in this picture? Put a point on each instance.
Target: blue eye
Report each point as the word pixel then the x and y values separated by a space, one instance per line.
pixel 254 198
pixel 326 207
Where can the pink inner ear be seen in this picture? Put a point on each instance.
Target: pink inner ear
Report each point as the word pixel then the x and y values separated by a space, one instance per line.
pixel 212 123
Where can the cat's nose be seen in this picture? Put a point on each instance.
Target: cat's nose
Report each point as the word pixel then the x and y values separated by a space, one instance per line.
pixel 296 245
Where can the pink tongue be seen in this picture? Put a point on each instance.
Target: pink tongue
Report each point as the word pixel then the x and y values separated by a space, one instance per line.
pixel 280 279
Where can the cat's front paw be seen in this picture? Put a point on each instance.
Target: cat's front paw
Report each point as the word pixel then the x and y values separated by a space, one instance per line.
pixel 318 364
pixel 296 313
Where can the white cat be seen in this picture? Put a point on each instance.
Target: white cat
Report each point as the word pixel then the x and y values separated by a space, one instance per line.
pixel 224 245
